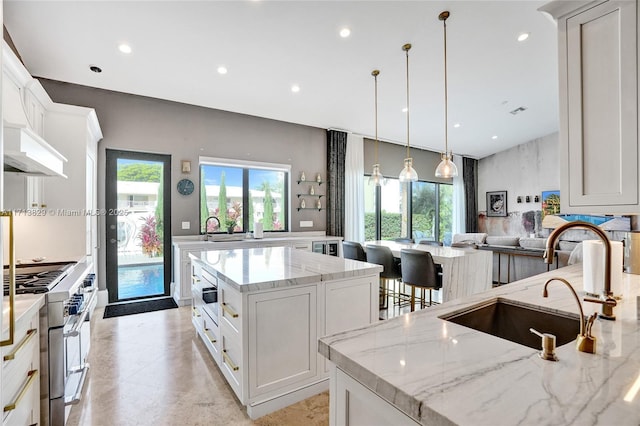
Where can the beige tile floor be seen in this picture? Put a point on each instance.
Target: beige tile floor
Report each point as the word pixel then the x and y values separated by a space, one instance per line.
pixel 151 369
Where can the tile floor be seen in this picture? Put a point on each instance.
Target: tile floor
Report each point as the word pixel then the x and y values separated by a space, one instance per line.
pixel 151 369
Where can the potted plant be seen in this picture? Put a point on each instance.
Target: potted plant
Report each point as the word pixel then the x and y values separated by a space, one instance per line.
pixel 231 225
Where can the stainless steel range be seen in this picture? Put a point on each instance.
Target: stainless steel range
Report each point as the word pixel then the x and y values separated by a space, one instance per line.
pixel 71 297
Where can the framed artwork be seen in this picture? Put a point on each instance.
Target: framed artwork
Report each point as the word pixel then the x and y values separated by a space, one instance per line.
pixel 550 203
pixel 497 203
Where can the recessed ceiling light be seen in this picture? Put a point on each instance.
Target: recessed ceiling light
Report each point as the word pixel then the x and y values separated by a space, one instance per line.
pixel 456 125
pixel 124 48
pixel 95 69
pixel 295 88
pixel 345 32
pixel 523 36
pixel 494 137
pixel 405 109
pixel 222 70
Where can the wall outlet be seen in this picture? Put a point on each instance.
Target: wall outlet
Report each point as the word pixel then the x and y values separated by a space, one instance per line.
pixel 186 225
pixel 306 224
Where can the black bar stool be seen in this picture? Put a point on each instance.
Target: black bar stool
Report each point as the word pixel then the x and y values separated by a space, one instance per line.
pixel 382 255
pixel 419 270
pixel 353 250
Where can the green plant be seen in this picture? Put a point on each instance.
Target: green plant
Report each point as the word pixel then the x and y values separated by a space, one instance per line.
pixel 149 240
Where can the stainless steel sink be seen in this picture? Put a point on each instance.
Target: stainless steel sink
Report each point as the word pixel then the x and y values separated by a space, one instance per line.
pixel 508 320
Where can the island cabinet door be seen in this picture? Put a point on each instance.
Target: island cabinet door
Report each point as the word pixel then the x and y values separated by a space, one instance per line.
pixel 283 338
pixel 355 404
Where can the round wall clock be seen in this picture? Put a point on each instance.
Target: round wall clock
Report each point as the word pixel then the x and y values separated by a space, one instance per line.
pixel 185 187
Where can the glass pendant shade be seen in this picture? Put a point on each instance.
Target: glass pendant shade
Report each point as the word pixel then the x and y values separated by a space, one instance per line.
pixel 447 168
pixel 408 174
pixel 376 177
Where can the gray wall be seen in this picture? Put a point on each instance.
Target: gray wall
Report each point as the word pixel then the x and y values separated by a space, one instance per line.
pixel 185 132
pixel 391 159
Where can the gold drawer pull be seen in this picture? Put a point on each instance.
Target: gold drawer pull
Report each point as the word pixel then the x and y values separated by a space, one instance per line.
pixel 195 279
pixel 228 361
pixel 196 312
pixel 32 377
pixel 229 310
pixel 211 339
pixel 11 355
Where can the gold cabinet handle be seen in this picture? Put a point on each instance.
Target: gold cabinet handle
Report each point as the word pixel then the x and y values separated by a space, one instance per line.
pixel 230 311
pixel 195 279
pixel 11 355
pixel 211 339
pixel 228 361
pixel 32 377
pixel 12 281
pixel 196 312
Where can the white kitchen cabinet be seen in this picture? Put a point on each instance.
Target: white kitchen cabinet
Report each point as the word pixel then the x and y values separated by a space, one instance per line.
pixel 354 404
pixel 266 340
pixel 282 353
pixel 75 131
pixel 598 80
pixel 21 373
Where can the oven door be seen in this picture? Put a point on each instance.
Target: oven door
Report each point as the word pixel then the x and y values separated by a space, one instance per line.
pixel 77 336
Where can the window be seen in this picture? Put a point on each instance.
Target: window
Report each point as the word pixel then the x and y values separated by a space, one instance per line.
pixel 430 205
pixel 240 194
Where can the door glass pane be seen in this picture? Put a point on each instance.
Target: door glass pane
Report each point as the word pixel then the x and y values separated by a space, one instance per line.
pixel 266 199
pixel 221 196
pixel 140 228
pixel 446 212
pixel 424 211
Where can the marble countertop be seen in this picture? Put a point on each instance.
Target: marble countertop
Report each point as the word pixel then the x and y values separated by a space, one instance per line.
pixel 436 251
pixel 438 372
pixel 254 269
pixel 190 240
pixel 24 304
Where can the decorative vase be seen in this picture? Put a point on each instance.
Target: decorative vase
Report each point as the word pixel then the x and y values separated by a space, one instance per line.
pixel 312 191
pixel 302 204
pixel 302 177
pixel 318 204
pixel 318 178
pixel 230 229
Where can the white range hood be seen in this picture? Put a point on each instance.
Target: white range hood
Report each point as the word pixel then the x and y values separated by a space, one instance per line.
pixel 26 152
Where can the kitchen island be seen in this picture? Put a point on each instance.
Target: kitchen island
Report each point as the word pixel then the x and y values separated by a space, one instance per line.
pixel 260 312
pixel 421 369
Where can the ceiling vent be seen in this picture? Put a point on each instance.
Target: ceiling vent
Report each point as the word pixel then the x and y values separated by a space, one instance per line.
pixel 518 110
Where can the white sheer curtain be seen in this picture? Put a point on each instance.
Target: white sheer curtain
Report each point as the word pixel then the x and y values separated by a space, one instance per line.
pixel 354 189
pixel 458 220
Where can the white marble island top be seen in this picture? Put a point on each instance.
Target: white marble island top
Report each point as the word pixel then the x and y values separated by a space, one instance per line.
pixel 438 372
pixel 254 269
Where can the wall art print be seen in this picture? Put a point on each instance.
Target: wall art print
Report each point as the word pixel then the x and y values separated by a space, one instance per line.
pixel 497 204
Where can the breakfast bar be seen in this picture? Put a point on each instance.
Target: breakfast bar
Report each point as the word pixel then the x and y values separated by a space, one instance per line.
pixel 464 271
pixel 422 369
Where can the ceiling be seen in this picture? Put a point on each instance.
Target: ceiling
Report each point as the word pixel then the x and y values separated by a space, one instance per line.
pixel 267 46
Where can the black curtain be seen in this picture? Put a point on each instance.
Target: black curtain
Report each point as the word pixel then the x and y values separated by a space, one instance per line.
pixel 470 179
pixel 336 152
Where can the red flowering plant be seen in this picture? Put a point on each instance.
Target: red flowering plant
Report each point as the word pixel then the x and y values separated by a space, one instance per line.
pixel 149 239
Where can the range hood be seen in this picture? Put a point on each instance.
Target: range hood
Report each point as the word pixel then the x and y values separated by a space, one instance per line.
pixel 26 152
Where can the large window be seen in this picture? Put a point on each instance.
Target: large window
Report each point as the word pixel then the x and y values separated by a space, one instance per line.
pixel 240 194
pixel 430 205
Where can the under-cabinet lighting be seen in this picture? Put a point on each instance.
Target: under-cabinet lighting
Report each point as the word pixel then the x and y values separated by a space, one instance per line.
pixel 403 362
pixel 630 396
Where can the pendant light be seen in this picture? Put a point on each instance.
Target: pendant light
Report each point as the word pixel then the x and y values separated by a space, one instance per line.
pixel 447 168
pixel 376 177
pixel 408 173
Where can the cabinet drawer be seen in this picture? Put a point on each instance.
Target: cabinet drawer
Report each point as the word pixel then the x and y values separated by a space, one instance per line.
pixel 231 307
pixel 231 362
pixel 196 314
pixel 211 336
pixel 27 409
